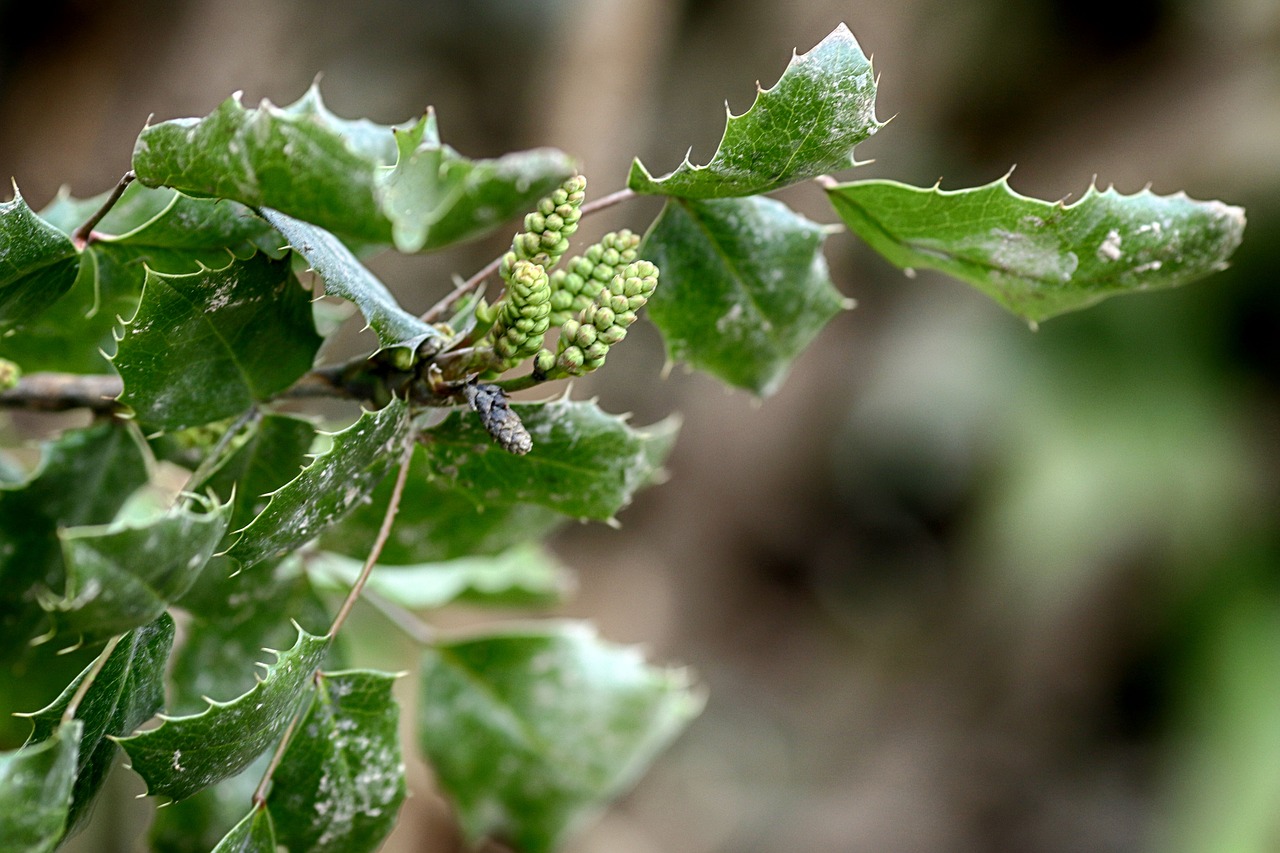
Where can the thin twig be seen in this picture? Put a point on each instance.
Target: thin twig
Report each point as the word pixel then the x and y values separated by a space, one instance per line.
pixel 61 392
pixel 212 458
pixel 608 201
pixel 393 506
pixel 260 793
pixel 435 312
pixel 69 713
pixel 83 235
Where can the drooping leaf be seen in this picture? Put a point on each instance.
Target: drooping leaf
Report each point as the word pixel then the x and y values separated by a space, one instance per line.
pixel 341 782
pixel 127 691
pixel 434 196
pixel 805 126
pixel 270 456
pixel 234 617
pixel 329 487
pixel 38 263
pixel 744 287
pixel 355 179
pixel 254 834
pixel 35 791
pixel 122 576
pixel 524 576
pixel 84 478
pixel 1041 258
pixel 187 754
pixel 208 345
pixel 438 521
pixel 530 732
pixel 346 277
pixel 584 463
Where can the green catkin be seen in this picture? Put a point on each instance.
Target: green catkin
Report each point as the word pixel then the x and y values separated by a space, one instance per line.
pixel 576 285
pixel 547 230
pixel 522 315
pixel 585 340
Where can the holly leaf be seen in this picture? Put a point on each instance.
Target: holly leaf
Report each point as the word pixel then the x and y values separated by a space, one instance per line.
pixel 434 196
pixel 126 692
pixel 525 576
pixel 805 126
pixel 346 277
pixel 341 782
pixel 199 823
pixel 532 731
pixel 744 287
pixel 584 463
pixel 268 457
pixel 254 834
pixel 187 754
pixel 35 791
pixel 234 616
pixel 354 179
pixel 84 478
pixel 328 488
pixel 206 346
pixel 38 263
pixel 1040 258
pixel 125 575
pixel 298 159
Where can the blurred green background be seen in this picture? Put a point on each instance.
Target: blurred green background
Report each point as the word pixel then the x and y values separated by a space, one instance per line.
pixel 959 586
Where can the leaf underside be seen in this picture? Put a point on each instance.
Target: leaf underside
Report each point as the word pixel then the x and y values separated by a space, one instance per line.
pixel 529 732
pixel 35 791
pixel 1039 258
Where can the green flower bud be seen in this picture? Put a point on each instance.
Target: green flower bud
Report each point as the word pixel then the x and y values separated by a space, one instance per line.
pixel 603 318
pixel 10 373
pixel 570 360
pixel 522 316
pixel 585 276
pixel 547 230
pixel 612 335
pixel 585 340
pixel 543 362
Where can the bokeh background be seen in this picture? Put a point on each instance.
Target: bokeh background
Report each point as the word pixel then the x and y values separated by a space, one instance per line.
pixel 958 586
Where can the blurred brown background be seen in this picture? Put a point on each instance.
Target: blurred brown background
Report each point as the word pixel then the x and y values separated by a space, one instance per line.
pixel 958 586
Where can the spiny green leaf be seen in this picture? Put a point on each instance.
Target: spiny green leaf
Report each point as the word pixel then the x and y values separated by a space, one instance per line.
pixel 186 754
pixel 38 263
pixel 434 196
pixel 584 463
pixel 84 478
pixel 354 179
pixel 346 277
pixel 254 834
pixel 805 126
pixel 35 791
pixel 198 823
pixel 744 287
pixel 126 692
pixel 527 575
pixel 208 345
pixel 297 159
pixel 122 576
pixel 439 522
pixel 1040 258
pixel 234 617
pixel 341 782
pixel 269 456
pixel 530 732
pixel 329 487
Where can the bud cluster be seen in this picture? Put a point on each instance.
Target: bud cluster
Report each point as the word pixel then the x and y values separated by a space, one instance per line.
pixel 574 288
pixel 522 315
pixel 585 340
pixel 547 230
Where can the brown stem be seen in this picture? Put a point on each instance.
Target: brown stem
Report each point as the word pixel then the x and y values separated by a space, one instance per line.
pixel 393 506
pixel 608 201
pixel 61 392
pixel 83 235
pixel 260 793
